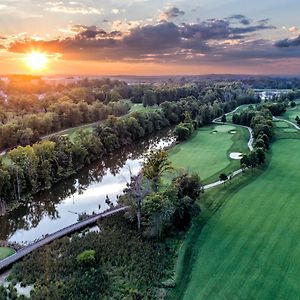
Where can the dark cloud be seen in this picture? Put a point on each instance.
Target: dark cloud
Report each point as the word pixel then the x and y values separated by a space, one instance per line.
pixel 92 32
pixel 162 42
pixel 286 43
pixel 263 21
pixel 88 32
pixel 240 18
pixel 171 13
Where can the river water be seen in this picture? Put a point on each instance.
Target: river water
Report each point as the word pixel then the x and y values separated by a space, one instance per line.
pixel 86 191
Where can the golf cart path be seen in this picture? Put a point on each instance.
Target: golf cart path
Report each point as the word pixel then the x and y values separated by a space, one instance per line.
pixel 287 121
pixel 250 146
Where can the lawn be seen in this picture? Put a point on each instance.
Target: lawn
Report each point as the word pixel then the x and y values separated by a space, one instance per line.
pixel 5 252
pixel 71 133
pixel 140 108
pixel 239 110
pixel 249 248
pixel 292 113
pixel 207 151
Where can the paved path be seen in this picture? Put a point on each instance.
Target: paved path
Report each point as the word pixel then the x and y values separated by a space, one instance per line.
pixel 289 122
pixel 250 146
pixel 5 263
pixel 251 139
pixel 219 182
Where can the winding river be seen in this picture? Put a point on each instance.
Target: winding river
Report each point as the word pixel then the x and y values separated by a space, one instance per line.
pixel 86 191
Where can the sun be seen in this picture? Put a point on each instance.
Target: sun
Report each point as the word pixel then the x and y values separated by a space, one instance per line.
pixel 36 60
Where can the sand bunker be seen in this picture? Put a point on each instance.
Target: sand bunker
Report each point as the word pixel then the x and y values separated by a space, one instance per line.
pixel 232 131
pixel 236 155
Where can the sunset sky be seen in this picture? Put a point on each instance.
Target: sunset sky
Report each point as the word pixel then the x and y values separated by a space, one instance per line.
pixel 151 37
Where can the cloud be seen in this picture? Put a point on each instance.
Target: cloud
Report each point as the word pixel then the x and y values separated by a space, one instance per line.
pixel 240 18
pixel 293 29
pixel 115 11
pixel 72 8
pixel 286 43
pixel 206 41
pixel 172 12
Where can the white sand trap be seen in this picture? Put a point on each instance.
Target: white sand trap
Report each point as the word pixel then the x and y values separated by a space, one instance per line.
pixel 232 131
pixel 236 155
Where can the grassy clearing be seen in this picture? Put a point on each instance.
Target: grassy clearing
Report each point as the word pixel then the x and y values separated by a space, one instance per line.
pixel 250 247
pixel 207 152
pixel 71 133
pixel 239 110
pixel 5 252
pixel 140 108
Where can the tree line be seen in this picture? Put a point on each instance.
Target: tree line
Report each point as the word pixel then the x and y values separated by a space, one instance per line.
pixel 29 128
pixel 260 120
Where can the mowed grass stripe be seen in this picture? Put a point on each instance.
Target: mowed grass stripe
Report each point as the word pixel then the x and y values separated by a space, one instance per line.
pixel 250 248
pixel 235 245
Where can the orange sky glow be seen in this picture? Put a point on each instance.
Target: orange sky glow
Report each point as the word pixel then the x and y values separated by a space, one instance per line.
pixel 150 37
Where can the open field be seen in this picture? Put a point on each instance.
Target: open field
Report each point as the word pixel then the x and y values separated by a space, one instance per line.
pixel 5 252
pixel 207 152
pixel 246 243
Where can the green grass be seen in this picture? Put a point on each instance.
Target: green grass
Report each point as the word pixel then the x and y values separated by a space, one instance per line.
pixel 282 124
pixel 5 252
pixel 246 242
pixel 6 160
pixel 140 108
pixel 239 110
pixel 71 133
pixel 292 113
pixel 207 151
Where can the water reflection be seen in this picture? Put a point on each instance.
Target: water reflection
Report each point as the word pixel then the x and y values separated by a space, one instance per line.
pixel 84 192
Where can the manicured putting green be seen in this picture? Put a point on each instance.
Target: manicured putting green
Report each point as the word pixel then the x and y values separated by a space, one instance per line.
pixel 5 252
pixel 250 249
pixel 207 153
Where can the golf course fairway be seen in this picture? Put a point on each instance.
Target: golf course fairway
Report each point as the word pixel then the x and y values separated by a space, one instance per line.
pixel 207 152
pixel 292 113
pixel 250 248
